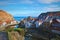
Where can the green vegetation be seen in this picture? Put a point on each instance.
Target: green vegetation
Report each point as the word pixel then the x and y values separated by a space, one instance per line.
pixel 14 33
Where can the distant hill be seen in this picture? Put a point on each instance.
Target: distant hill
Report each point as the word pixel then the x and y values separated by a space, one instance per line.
pixel 43 16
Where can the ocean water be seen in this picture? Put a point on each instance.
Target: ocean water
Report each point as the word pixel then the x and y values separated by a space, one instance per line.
pixel 19 18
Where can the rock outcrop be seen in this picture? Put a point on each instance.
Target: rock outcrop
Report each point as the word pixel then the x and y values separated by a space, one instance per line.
pixel 12 35
pixel 4 16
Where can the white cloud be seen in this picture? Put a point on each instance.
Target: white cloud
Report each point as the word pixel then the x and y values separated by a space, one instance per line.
pixel 16 2
pixel 4 3
pixel 48 1
pixel 52 8
pixel 27 1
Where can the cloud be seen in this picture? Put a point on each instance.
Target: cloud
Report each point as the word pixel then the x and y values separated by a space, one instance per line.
pixel 34 9
pixel 7 2
pixel 51 8
pixel 4 3
pixel 48 1
pixel 27 1
pixel 21 1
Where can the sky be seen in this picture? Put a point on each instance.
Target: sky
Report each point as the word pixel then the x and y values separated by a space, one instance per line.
pixel 29 7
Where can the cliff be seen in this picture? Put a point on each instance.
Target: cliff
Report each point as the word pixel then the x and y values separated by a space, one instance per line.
pixel 4 16
pixel 12 35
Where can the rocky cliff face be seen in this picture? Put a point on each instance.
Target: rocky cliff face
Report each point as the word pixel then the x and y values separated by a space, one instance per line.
pixel 4 16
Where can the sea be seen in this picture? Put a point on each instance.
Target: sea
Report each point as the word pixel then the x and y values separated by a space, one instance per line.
pixel 19 18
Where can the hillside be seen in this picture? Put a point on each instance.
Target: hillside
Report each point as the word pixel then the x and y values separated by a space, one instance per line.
pixel 4 16
pixel 43 16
